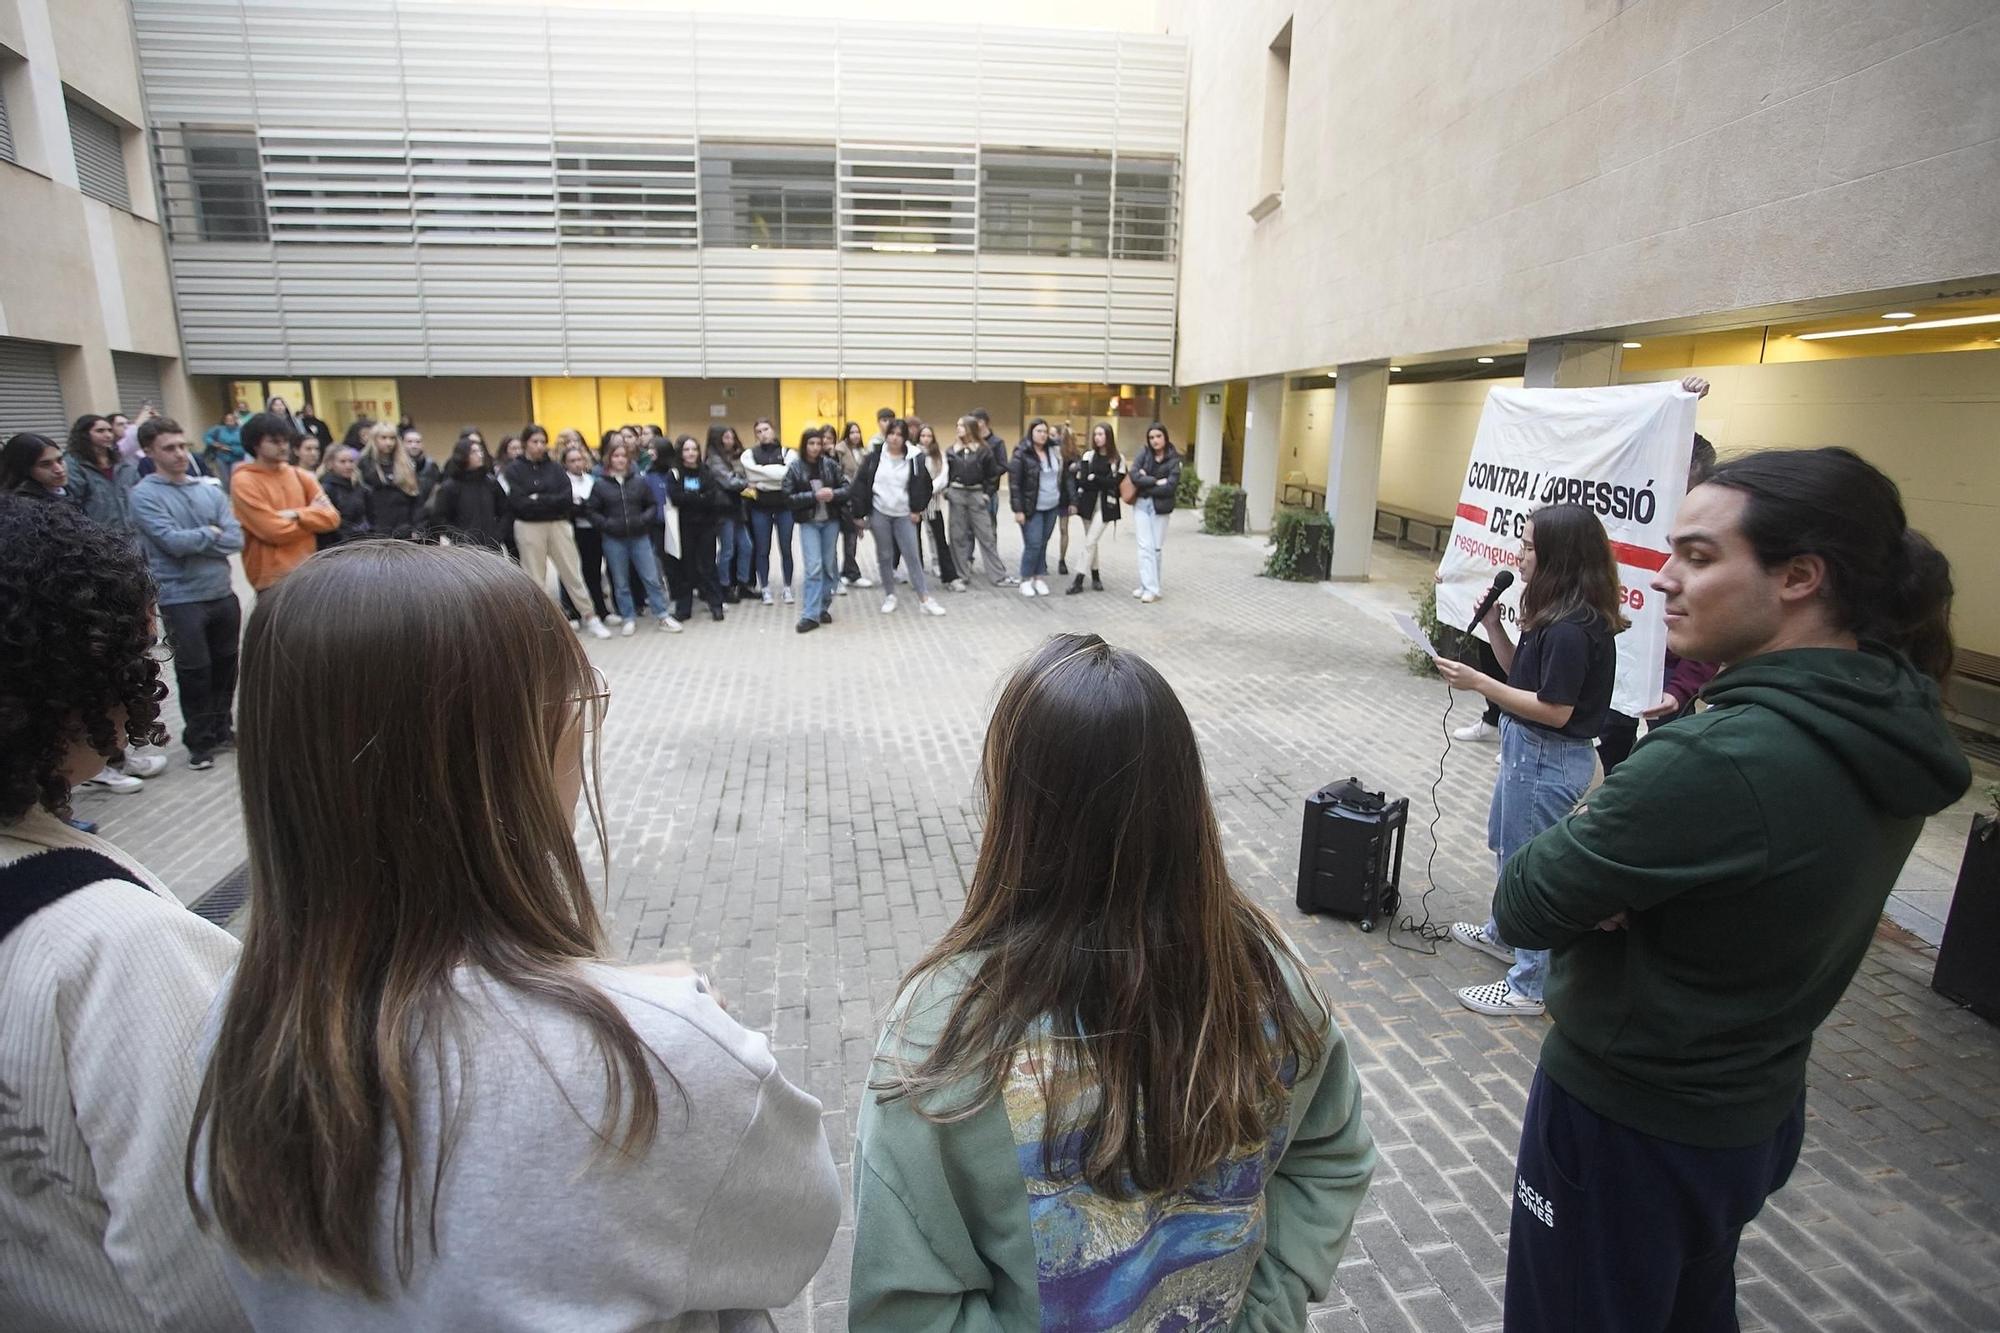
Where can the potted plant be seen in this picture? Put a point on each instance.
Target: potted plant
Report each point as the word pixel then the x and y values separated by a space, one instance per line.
pixel 1301 546
pixel 1222 512
pixel 1187 495
pixel 1965 971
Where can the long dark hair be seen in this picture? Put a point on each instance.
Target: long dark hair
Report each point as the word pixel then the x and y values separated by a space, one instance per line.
pixel 1574 569
pixel 309 1110
pixel 19 456
pixel 79 437
pixel 1101 905
pixel 1110 441
pixel 460 461
pixel 1883 580
pixel 718 446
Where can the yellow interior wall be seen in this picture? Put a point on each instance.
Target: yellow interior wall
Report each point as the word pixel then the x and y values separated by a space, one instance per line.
pixel 629 402
pixel 867 397
pixel 567 404
pixel 803 403
pixel 742 401
pixel 340 401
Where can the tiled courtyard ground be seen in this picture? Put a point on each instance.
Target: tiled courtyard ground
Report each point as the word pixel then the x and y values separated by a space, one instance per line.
pixel 796 813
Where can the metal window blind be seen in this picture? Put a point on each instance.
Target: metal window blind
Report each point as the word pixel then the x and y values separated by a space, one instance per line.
pixel 100 156
pixel 1143 211
pixel 626 193
pixel 906 199
pixel 30 394
pixel 6 134
pixel 212 184
pixel 768 196
pixel 1039 203
pixel 138 380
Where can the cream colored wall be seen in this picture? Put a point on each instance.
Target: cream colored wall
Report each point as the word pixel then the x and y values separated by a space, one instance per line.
pixel 442 407
pixel 94 49
pixel 943 402
pixel 1427 435
pixel 1463 174
pixel 1931 422
pixel 688 402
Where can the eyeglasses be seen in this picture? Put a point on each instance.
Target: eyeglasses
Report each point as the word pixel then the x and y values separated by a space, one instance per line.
pixel 597 695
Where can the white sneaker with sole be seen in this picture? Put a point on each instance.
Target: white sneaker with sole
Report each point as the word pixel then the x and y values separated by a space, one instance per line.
pixel 788 594
pixel 1149 597
pixel 1138 592
pixel 668 625
pixel 1498 999
pixel 596 628
pixel 959 585
pixel 625 630
pixel 864 582
pixel 143 765
pixel 613 619
pixel 766 596
pixel 888 603
pixel 931 607
pixel 1027 587
pixel 1475 937
pixel 1476 730
pixel 110 779
pixel 1041 587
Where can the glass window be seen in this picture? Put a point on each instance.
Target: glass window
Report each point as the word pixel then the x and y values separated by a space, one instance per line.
pixel 626 193
pixel 767 196
pixel 1045 203
pixel 1142 223
pixel 912 200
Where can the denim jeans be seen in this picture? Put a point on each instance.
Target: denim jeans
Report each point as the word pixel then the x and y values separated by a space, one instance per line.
pixel 1542 777
pixel 762 522
pixel 821 543
pixel 1152 532
pixel 732 552
pixel 625 555
pixel 1035 534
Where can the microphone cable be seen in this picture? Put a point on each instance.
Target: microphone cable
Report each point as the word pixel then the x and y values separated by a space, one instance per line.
pixel 1426 930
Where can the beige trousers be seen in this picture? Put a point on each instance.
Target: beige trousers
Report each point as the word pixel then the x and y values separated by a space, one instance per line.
pixel 540 543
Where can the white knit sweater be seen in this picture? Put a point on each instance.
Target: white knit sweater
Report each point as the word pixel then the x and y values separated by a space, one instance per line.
pixel 102 997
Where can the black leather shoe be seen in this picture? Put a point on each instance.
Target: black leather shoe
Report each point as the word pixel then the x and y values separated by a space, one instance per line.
pixel 1096 583
pixel 1074 588
pixel 826 617
pixel 807 626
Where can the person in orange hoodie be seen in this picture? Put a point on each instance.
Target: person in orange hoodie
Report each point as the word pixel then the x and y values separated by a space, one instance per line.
pixel 280 506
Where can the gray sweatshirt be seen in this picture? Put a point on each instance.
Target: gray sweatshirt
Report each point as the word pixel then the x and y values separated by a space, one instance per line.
pixel 728 1215
pixel 188 532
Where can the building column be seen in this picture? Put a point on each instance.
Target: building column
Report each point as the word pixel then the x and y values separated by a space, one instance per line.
pixel 1262 418
pixel 1208 421
pixel 1354 464
pixel 1570 363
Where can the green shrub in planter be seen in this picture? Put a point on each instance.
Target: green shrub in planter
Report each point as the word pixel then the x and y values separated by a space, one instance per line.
pixel 1420 661
pixel 1301 546
pixel 1187 495
pixel 1222 511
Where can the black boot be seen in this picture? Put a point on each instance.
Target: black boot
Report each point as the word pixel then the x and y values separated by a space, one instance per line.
pixel 1076 587
pixel 1096 583
pixel 1062 566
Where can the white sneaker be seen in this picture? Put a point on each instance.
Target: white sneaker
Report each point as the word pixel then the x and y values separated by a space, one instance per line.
pixel 1476 730
pixel 1498 998
pixel 1027 588
pixel 888 603
pixel 1149 597
pixel 1138 592
pixel 788 594
pixel 596 628
pixel 143 765
pixel 864 582
pixel 1475 937
pixel 844 581
pixel 625 630
pixel 576 625
pixel 958 585
pixel 843 587
pixel 1005 581
pixel 613 619
pixel 668 625
pixel 766 596
pixel 1041 587
pixel 932 607
pixel 110 779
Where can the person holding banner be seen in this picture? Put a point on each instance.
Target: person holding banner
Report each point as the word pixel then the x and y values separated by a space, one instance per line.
pixel 1713 900
pixel 1553 702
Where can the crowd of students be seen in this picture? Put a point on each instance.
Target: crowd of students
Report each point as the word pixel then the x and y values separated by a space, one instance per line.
pixel 1111 1096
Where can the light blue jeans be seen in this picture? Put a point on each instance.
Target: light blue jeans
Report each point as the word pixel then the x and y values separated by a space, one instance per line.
pixel 1035 534
pixel 822 547
pixel 1542 777
pixel 627 556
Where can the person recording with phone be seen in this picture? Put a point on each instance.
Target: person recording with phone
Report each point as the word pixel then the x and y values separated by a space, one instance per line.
pixel 1553 703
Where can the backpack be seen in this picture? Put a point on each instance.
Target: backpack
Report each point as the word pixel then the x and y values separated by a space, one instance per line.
pixel 34 882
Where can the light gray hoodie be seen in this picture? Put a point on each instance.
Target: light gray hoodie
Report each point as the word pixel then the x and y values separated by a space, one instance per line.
pixel 542 1230
pixel 188 532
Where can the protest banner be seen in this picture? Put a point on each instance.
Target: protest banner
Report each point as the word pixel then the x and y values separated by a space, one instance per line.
pixel 1622 452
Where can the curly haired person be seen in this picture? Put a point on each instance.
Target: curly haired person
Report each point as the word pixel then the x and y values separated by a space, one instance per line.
pixel 104 976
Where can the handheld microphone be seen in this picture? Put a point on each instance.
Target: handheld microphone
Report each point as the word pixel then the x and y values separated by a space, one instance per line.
pixel 1501 582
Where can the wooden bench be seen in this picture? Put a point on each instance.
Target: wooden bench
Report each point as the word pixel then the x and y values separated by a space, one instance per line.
pixel 1298 491
pixel 1405 526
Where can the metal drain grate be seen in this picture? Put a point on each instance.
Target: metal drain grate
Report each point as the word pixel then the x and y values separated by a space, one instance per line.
pixel 1977 744
pixel 225 898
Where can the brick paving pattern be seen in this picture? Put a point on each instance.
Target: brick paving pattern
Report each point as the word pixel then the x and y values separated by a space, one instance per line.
pixel 796 813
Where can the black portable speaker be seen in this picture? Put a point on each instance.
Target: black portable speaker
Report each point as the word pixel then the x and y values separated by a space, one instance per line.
pixel 1351 853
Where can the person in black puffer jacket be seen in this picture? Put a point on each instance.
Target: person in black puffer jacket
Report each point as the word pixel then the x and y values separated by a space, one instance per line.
pixel 622 507
pixel 470 508
pixel 539 497
pixel 1156 475
pixel 340 484
pixel 1096 475
pixel 701 506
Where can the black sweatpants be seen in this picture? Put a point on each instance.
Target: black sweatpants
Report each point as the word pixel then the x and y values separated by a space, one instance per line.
pixel 1615 1231
pixel 1615 742
pixel 694 573
pixel 203 636
pixel 589 558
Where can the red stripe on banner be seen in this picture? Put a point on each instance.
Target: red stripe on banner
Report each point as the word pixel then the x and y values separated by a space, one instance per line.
pixel 1473 512
pixel 1639 557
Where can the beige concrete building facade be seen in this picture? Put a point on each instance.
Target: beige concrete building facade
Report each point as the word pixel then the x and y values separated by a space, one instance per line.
pixel 86 300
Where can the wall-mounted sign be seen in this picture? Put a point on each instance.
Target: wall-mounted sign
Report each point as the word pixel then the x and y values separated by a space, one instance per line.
pixel 718 410
pixel 1212 399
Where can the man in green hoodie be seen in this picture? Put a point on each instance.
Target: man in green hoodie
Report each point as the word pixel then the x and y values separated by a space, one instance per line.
pixel 1710 902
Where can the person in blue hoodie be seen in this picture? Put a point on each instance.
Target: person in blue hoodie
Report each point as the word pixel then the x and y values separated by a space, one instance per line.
pixel 1707 905
pixel 189 532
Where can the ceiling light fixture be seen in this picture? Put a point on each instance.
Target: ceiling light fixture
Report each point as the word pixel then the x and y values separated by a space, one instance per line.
pixel 1395 370
pixel 1901 314
pixel 1959 322
pixel 1632 346
pixel 1485 360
